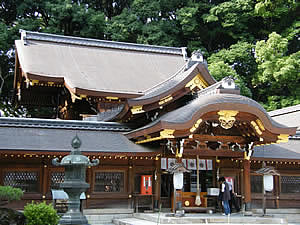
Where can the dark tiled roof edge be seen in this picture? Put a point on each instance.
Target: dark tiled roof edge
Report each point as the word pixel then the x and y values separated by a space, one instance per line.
pixel 286 110
pixel 29 35
pixel 62 124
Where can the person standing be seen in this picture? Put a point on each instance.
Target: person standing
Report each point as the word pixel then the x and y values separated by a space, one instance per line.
pixel 225 193
pixel 233 199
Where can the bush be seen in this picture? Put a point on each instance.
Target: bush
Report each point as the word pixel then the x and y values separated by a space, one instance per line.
pixel 8 193
pixel 40 214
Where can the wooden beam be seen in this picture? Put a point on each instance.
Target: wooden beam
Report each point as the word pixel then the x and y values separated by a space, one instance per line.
pixel 213 153
pixel 223 139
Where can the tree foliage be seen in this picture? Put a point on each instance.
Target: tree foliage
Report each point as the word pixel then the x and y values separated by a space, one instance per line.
pixel 257 42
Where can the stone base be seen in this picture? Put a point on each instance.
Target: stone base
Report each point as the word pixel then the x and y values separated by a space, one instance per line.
pixel 73 218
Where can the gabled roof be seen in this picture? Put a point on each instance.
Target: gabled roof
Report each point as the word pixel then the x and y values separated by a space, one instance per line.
pixel 95 67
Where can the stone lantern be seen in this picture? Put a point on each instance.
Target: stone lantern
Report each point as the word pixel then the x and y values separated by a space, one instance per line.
pixel 177 170
pixel 74 183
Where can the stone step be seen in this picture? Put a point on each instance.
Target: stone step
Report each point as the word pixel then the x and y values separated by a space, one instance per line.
pixel 191 218
pixel 107 211
pixel 105 218
pixel 277 211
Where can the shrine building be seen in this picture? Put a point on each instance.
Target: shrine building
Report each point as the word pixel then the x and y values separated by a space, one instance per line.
pixel 140 109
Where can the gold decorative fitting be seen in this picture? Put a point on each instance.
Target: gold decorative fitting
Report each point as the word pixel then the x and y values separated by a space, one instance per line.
pixel 165 100
pixel 112 98
pixel 282 138
pixel 167 133
pixel 196 125
pixel 227 118
pixel 197 81
pixel 74 97
pixel 246 156
pixel 137 109
pixel 260 124
pixel 178 154
pixel 256 127
pixel 34 82
pixel 149 140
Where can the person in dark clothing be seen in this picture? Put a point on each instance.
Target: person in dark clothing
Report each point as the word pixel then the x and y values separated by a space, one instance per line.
pixel 225 193
pixel 233 199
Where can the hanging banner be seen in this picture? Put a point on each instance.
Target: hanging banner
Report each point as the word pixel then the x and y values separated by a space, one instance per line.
pixel 209 165
pixel 171 162
pixel 163 163
pixel 188 163
pixel 192 164
pixel 202 164
pixel 184 161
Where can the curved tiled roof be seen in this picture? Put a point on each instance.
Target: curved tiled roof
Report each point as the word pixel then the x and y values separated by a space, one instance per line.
pixel 174 83
pixel 186 116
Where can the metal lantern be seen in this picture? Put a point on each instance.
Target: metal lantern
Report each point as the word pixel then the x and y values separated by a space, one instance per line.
pixel 74 183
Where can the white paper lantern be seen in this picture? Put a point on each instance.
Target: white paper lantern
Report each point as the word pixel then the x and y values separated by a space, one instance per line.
pixel 178 180
pixel 268 182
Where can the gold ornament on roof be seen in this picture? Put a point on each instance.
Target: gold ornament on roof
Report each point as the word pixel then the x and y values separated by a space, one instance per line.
pixel 227 118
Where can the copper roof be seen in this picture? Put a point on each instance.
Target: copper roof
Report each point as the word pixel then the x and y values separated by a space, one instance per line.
pixel 97 66
pixel 186 116
pixel 173 84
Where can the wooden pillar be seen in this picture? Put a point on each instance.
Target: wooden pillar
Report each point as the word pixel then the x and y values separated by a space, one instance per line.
pixel 247 184
pixel 89 180
pixel 277 190
pixel 157 180
pixel 131 175
pixel 45 180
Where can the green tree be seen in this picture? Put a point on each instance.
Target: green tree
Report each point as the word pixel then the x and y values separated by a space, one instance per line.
pixel 278 74
pixel 237 61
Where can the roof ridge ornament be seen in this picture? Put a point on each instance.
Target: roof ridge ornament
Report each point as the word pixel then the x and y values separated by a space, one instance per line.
pixel 30 35
pixel 228 82
pixel 196 57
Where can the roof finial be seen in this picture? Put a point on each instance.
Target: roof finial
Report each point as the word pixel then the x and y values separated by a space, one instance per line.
pixel 76 143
